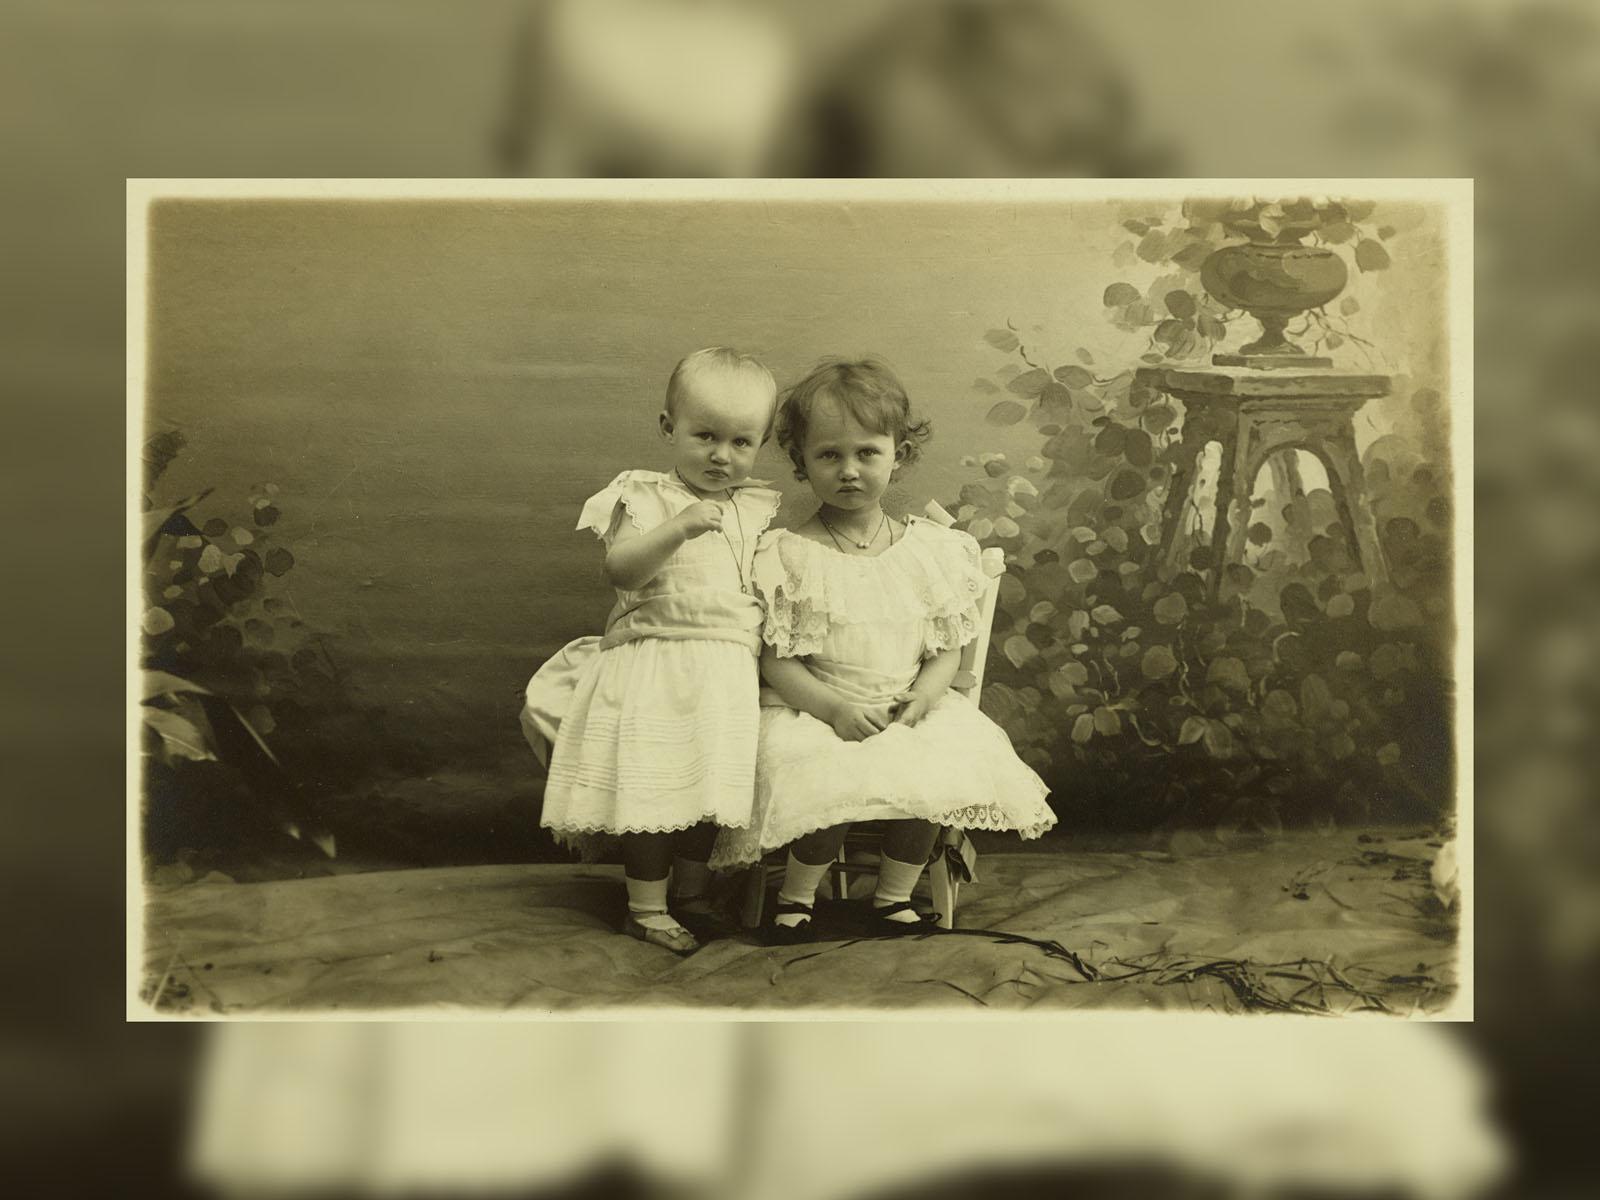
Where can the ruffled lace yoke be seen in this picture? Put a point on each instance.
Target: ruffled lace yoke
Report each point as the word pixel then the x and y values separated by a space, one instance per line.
pixel 865 624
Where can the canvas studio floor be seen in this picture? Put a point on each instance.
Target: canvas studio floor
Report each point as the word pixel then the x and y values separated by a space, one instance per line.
pixel 1342 922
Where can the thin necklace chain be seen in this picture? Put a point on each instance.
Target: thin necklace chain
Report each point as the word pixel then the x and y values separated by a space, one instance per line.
pixel 738 555
pixel 866 545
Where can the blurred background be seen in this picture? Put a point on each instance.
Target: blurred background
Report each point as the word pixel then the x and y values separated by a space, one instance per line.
pixel 1504 91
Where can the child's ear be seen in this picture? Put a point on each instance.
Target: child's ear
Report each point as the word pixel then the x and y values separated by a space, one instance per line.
pixel 902 453
pixel 665 423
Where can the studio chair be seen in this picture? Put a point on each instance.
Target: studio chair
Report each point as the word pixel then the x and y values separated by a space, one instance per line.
pixel 954 860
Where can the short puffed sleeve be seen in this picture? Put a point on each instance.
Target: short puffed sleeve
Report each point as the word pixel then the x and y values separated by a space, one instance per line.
pixel 795 623
pixel 634 493
pixel 955 580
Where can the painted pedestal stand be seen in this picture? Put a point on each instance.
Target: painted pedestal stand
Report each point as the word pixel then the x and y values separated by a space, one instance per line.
pixel 1252 415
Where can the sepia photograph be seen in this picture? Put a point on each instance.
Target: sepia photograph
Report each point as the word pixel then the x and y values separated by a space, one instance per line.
pixel 769 599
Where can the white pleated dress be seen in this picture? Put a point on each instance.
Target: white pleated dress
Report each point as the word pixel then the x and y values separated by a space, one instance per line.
pixel 653 727
pixel 864 626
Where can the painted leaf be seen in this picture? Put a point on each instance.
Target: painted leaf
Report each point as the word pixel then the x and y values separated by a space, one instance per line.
pixel 1171 608
pixel 1218 740
pixel 1279 707
pixel 279 560
pixel 1107 722
pixel 1109 441
pixel 1181 304
pixel 1394 611
pixel 1229 672
pixel 1119 295
pixel 1012 592
pixel 157 621
pixel 1020 650
pixel 1138 449
pixel 1194 728
pixel 1074 377
pixel 1316 701
pixel 1158 662
pixel 1126 484
pixel 180 738
pixel 1371 256
pixel 1083 729
pixel 1030 383
pixel 1082 570
pixel 1105 614
pixel 1019 485
pixel 1002 339
pixel 1007 412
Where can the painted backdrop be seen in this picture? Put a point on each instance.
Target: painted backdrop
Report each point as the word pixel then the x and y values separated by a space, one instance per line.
pixel 419 395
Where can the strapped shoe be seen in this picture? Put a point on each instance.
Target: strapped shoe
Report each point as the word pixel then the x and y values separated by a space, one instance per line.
pixel 881 923
pixel 672 936
pixel 791 935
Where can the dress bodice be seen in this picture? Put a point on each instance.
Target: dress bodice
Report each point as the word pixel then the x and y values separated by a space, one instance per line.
pixel 865 624
pixel 705 590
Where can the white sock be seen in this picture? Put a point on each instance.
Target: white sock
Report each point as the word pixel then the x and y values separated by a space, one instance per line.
pixel 647 902
pixel 800 882
pixel 896 881
pixel 690 879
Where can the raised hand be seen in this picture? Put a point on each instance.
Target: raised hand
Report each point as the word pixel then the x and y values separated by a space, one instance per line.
pixel 703 516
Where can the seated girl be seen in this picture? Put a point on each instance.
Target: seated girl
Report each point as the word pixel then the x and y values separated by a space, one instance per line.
pixel 866 615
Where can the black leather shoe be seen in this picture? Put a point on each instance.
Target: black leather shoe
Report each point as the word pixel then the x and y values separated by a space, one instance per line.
pixel 791 935
pixel 880 923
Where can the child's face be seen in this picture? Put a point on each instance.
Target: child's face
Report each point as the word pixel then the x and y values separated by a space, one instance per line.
pixel 848 465
pixel 717 431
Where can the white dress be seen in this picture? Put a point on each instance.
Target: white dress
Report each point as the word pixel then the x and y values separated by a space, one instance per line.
pixel 653 726
pixel 864 626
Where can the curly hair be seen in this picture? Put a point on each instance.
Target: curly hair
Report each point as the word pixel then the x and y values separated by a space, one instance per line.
pixel 868 390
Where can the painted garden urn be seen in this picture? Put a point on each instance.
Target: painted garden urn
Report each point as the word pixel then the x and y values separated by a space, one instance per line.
pixel 1274 283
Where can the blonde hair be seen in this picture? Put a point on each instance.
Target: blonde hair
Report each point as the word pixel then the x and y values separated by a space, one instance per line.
pixel 711 360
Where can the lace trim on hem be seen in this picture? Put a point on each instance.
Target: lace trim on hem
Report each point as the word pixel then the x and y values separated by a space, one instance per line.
pixel 589 843
pixel 992 818
pixel 602 830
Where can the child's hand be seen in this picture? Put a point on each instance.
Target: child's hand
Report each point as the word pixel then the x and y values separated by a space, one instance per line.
pixel 910 708
pixel 703 516
pixel 858 722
